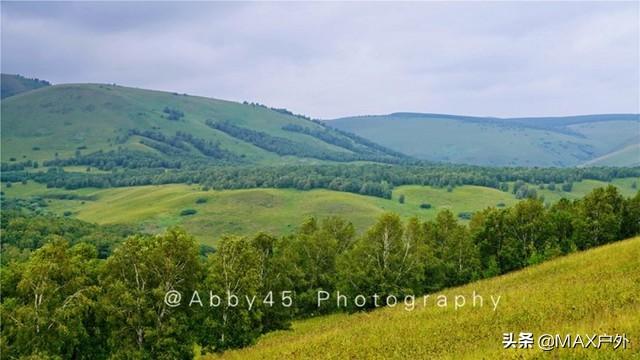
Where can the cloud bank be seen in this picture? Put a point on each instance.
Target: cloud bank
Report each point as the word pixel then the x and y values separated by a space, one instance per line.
pixel 329 60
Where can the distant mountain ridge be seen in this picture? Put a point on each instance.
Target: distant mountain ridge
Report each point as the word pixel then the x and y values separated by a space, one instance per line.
pixel 527 141
pixel 66 122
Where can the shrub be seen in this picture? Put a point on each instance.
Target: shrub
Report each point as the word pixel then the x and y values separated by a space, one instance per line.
pixel 425 206
pixel 187 212
pixel 201 200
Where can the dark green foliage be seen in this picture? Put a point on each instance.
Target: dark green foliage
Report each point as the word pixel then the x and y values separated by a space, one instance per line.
pixel 63 282
pixel 117 159
pixel 187 212
pixel 367 149
pixel 25 230
pixel 16 166
pixel 201 200
pixel 401 199
pixel 522 191
pixel 425 206
pixel 173 114
pixel 135 279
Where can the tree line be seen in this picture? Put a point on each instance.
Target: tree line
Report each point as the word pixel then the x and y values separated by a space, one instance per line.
pixel 136 168
pixel 89 306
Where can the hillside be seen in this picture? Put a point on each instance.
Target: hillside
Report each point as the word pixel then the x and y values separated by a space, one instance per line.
pixel 15 84
pixel 64 121
pixel 593 292
pixel 278 211
pixel 551 141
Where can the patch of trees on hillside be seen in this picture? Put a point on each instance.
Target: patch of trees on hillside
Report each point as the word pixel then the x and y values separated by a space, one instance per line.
pixel 115 307
pixel 115 160
pixel 173 114
pixel 275 144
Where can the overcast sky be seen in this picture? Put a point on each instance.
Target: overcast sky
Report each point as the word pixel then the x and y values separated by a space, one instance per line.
pixel 329 60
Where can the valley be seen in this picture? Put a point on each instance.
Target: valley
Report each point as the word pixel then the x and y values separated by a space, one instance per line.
pixel 277 211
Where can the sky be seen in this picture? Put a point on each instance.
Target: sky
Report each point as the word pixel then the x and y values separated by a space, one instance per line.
pixel 333 59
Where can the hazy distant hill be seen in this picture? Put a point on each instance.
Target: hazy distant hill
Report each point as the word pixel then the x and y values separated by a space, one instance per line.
pixel 63 120
pixel 609 139
pixel 16 84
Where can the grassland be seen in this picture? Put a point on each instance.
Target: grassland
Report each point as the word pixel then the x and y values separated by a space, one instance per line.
pixel 277 211
pixel 59 119
pixel 593 292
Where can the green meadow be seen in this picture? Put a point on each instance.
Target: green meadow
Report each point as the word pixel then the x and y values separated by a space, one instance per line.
pixel 55 121
pixel 277 211
pixel 592 292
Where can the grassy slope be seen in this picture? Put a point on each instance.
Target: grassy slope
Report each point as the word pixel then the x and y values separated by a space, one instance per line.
pixel 626 156
pixel 61 118
pixel 590 292
pixel 457 140
pixel 275 210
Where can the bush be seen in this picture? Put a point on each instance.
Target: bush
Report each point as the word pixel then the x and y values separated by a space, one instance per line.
pixel 187 212
pixel 425 206
pixel 465 215
pixel 401 199
pixel 500 205
pixel 173 114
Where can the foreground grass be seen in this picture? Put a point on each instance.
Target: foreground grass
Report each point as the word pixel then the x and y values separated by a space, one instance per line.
pixel 278 211
pixel 597 291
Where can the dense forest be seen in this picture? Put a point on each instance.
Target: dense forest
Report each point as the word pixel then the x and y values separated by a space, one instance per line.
pixel 133 168
pixel 94 300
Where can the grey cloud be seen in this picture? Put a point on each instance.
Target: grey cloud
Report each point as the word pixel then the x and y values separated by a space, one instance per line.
pixel 338 59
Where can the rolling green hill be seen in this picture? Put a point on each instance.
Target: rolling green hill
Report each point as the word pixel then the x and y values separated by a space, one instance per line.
pixel 15 84
pixel 63 120
pixel 593 292
pixel 553 141
pixel 278 211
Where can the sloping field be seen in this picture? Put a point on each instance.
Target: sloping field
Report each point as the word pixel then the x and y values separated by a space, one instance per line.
pixel 594 292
